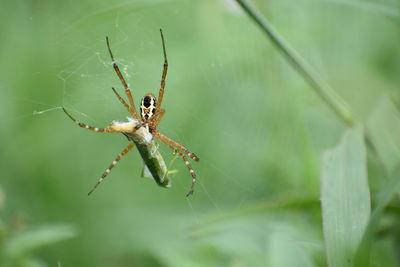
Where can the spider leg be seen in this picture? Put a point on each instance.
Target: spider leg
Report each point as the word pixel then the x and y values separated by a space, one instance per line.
pixel 164 75
pixel 127 90
pixel 187 165
pixel 137 127
pixel 123 102
pixel 158 117
pixel 101 130
pixel 176 145
pixel 108 170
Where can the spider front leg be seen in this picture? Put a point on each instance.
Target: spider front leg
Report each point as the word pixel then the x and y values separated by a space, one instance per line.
pixel 101 130
pixel 164 75
pixel 108 170
pixel 132 108
pixel 123 102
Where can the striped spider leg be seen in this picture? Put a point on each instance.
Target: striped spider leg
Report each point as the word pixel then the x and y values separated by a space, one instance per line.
pixel 128 93
pixel 165 139
pixel 150 116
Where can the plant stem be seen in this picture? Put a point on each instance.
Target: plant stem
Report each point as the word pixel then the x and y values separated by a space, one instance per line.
pixel 317 83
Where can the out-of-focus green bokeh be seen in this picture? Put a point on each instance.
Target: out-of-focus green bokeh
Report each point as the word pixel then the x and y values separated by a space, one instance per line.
pixel 230 97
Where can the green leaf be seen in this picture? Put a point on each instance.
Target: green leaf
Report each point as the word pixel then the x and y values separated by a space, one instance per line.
pixel 345 198
pixel 27 241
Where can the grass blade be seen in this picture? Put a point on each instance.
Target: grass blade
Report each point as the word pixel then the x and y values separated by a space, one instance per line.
pixel 338 105
pixel 345 198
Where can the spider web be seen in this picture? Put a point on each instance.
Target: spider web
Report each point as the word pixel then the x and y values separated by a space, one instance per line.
pixel 85 81
pixel 85 90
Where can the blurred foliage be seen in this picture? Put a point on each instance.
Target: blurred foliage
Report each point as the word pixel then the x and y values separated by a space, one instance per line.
pixel 230 97
pixel 19 241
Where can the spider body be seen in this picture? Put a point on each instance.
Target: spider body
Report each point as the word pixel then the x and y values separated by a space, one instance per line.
pixel 150 116
pixel 148 107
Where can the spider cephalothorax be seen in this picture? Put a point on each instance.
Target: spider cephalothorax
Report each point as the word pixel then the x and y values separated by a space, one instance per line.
pixel 150 116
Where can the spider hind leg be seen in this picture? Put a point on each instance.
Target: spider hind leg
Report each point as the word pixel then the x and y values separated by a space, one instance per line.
pixel 175 144
pixel 187 163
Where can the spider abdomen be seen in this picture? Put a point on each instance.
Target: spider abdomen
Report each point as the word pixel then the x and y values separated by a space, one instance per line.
pixel 147 107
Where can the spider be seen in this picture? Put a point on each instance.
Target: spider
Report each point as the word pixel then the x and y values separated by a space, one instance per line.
pixel 150 116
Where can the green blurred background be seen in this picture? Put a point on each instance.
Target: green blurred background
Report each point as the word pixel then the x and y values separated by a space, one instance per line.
pixel 230 97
